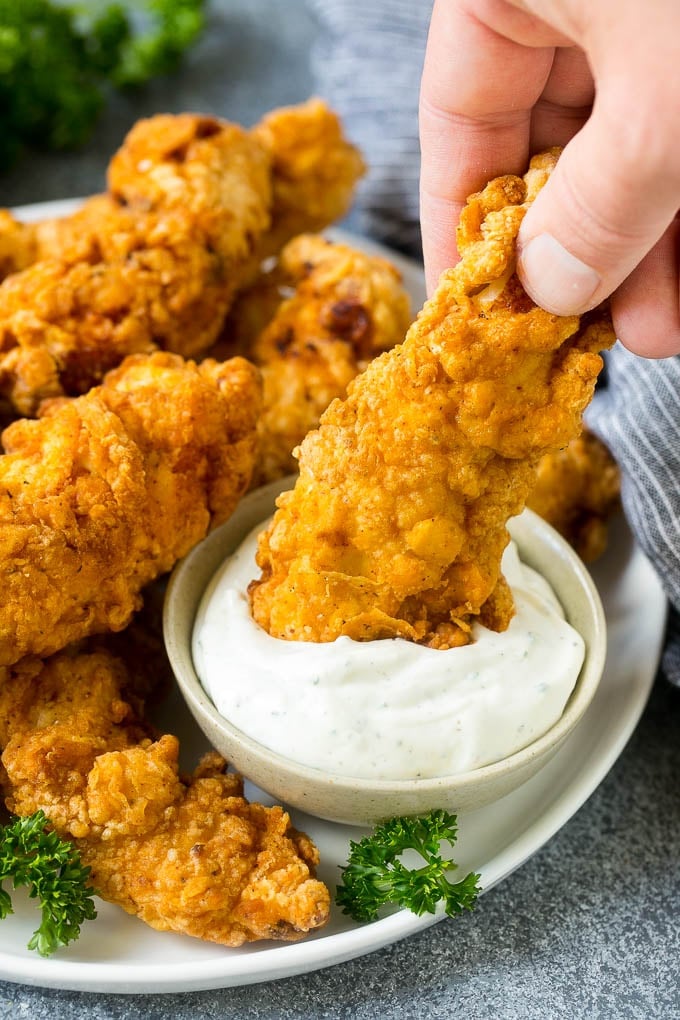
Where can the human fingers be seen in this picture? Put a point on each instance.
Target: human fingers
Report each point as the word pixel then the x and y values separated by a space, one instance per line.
pixel 646 307
pixel 566 101
pixel 478 89
pixel 604 207
pixel 616 187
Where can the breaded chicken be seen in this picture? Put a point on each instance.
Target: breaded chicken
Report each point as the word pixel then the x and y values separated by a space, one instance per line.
pixel 78 236
pixel 106 491
pixel 154 265
pixel 62 327
pixel 211 171
pixel 577 490
pixel 194 205
pixel 188 855
pixel 315 170
pixel 17 245
pixel 343 308
pixel 397 524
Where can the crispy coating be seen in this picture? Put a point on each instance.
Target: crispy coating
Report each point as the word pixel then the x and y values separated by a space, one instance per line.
pixel 315 170
pixel 76 237
pixel 62 327
pixel 194 205
pixel 343 308
pixel 214 172
pixel 211 171
pixel 17 245
pixel 577 490
pixel 153 264
pixel 106 491
pixel 397 524
pixel 188 855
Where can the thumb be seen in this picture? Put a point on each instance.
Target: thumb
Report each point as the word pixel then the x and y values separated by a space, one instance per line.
pixel 610 198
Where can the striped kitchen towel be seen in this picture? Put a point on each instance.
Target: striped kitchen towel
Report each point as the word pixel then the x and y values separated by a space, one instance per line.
pixel 367 62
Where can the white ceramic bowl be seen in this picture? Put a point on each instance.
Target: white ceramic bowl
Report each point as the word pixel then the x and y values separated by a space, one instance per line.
pixel 365 801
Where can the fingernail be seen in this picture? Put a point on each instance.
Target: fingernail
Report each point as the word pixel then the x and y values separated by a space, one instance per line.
pixel 554 278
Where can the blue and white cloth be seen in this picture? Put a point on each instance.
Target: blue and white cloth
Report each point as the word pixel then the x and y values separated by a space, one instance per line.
pixel 367 62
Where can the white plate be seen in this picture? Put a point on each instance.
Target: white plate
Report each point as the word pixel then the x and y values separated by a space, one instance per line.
pixel 117 953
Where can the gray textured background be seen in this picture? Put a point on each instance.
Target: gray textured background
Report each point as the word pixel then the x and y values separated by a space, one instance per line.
pixel 590 927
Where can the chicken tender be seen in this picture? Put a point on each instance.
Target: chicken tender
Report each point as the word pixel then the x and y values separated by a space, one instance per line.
pixel 188 855
pixel 194 205
pixel 151 265
pixel 397 523
pixel 214 172
pixel 315 170
pixel 344 307
pixel 17 245
pixel 105 492
pixel 211 171
pixel 78 236
pixel 62 327
pixel 577 490
pixel 67 238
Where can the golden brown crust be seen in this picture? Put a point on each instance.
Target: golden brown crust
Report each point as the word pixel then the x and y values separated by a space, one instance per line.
pixel 168 162
pixel 153 264
pixel 106 491
pixel 194 205
pixel 189 855
pixel 397 523
pixel 332 310
pixel 17 245
pixel 315 170
pixel 213 172
pixel 577 490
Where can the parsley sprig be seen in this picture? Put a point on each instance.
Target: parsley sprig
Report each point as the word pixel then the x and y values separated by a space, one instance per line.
pixel 60 59
pixel 33 856
pixel 374 875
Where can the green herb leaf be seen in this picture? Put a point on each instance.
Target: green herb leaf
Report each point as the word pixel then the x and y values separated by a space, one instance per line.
pixel 374 875
pixel 58 61
pixel 33 856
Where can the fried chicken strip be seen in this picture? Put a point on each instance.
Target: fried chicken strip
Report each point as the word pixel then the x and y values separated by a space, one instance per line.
pixel 62 327
pixel 18 247
pixel 577 490
pixel 188 855
pixel 212 171
pixel 155 265
pixel 106 491
pixel 168 161
pixel 78 236
pixel 194 205
pixel 397 524
pixel 315 170
pixel 343 308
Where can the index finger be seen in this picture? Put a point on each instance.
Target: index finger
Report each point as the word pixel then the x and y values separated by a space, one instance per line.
pixel 477 93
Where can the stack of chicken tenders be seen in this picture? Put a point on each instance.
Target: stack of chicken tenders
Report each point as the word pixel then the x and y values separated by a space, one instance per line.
pixel 169 346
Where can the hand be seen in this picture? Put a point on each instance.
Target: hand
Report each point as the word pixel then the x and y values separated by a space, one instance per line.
pixel 502 81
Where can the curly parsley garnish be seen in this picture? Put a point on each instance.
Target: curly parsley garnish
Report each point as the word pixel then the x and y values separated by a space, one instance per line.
pixel 32 856
pixel 374 875
pixel 60 60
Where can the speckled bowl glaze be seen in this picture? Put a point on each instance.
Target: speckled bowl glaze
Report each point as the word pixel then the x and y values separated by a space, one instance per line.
pixel 365 801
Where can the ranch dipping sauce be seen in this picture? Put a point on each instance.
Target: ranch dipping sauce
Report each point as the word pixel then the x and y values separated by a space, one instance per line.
pixel 388 709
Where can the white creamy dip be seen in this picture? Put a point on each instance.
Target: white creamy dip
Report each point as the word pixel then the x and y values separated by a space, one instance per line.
pixel 388 709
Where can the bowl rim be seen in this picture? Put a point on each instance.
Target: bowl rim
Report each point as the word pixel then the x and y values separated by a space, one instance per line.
pixel 192 689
